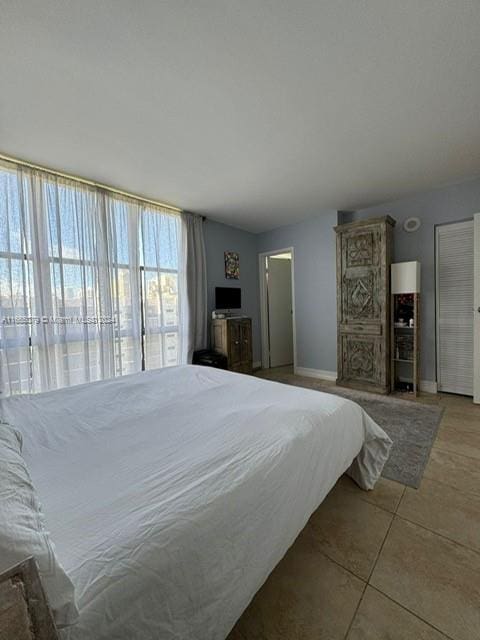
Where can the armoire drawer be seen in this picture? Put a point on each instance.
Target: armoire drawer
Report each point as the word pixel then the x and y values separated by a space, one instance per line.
pixel 362 328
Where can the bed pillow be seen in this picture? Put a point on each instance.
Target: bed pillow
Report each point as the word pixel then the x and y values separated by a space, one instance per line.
pixel 22 529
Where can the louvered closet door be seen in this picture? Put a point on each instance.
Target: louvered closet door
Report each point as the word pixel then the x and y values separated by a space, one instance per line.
pixel 455 308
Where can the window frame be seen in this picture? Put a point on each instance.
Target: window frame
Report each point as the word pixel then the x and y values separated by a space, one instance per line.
pixel 163 329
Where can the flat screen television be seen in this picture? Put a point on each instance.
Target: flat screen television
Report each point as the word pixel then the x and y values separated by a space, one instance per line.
pixel 228 298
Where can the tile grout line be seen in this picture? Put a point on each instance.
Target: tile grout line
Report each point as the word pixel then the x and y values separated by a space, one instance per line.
pixel 386 535
pixel 445 484
pixel 355 612
pixel 401 500
pixel 457 425
pixel 390 597
pixel 381 547
pixel 355 575
pixel 374 565
pixel 440 535
pixel 456 453
pixel 456 419
pixel 369 584
pixel 412 613
pixel 466 493
pixel 363 497
pixel 463 492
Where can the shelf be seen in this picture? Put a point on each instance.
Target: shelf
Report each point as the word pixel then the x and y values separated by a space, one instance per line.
pixel 405 340
pixel 400 388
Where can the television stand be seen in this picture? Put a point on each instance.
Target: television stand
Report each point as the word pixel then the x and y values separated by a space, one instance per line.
pixel 233 338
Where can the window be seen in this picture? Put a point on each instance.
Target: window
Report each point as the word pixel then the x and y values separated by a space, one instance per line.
pixel 89 283
pixel 160 289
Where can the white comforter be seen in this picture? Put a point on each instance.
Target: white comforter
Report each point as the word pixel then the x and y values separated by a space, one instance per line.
pixel 172 494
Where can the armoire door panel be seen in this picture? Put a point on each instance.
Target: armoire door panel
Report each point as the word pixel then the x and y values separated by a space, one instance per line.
pixel 246 341
pixel 360 296
pixel 360 249
pixel 362 358
pixel 235 344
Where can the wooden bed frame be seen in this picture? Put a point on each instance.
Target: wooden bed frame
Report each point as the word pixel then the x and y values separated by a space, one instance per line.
pixel 24 610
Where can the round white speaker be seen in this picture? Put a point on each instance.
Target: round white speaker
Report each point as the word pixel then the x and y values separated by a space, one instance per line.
pixel 412 224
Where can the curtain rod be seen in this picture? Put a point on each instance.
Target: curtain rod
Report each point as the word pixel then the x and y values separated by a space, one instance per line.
pixel 91 183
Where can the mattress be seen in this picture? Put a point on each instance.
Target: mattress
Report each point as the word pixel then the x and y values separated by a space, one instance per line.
pixel 171 494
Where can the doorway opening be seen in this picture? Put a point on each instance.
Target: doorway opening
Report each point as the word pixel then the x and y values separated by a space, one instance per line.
pixel 277 308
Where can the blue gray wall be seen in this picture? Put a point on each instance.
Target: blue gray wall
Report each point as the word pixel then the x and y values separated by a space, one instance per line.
pixel 313 241
pixel 450 204
pixel 315 280
pixel 220 238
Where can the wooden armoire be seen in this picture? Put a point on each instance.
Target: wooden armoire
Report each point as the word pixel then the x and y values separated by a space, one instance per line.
pixel 364 254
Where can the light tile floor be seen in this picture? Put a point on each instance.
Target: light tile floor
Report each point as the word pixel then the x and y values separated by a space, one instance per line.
pixel 390 564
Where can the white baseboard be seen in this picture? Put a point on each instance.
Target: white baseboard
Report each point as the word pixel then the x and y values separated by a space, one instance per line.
pixel 429 386
pixel 316 373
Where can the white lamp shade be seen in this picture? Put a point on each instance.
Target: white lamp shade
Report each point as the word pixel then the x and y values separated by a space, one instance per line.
pixel 406 277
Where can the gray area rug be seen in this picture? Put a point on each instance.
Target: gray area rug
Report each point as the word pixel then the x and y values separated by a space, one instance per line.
pixel 412 426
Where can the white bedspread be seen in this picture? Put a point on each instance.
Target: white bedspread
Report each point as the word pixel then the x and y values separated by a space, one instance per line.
pixel 172 494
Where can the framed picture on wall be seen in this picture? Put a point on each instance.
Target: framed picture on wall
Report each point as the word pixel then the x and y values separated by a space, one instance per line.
pixel 232 265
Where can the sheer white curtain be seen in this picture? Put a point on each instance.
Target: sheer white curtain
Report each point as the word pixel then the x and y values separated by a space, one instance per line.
pixel 122 232
pixel 15 287
pixel 161 240
pixel 72 338
pixel 83 275
pixel 51 234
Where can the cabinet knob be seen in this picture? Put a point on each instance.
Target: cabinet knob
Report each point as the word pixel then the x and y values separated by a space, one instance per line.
pixel 237 342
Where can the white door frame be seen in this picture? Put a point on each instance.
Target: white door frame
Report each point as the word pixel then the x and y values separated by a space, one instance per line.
pixel 264 309
pixel 476 308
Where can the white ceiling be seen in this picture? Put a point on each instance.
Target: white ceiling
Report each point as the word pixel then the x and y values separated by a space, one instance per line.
pixel 255 112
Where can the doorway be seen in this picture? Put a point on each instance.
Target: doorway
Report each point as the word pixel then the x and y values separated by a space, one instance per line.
pixel 277 308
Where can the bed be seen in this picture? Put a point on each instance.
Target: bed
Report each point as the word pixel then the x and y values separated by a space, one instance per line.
pixel 171 494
